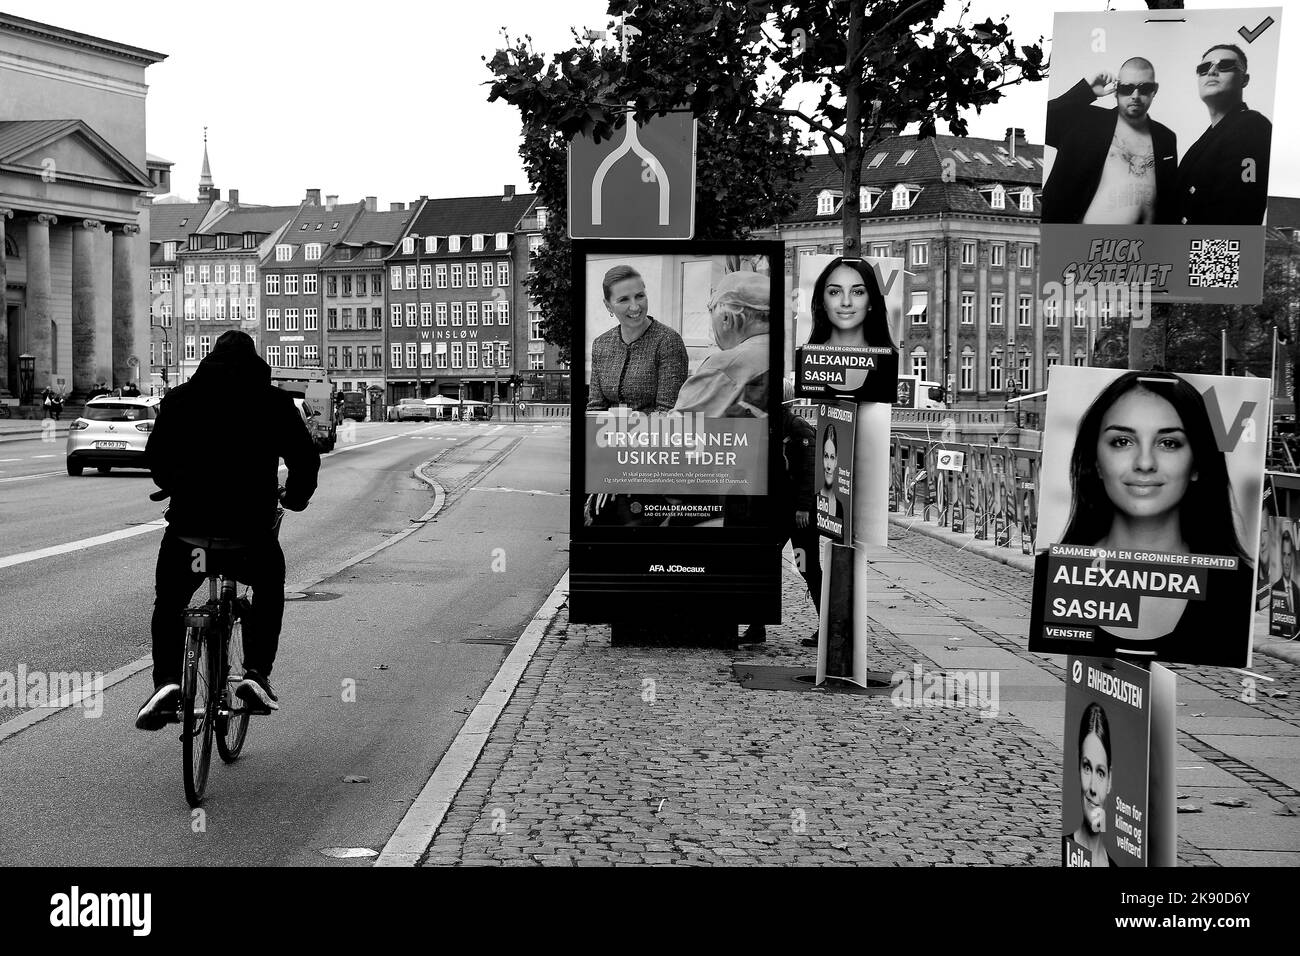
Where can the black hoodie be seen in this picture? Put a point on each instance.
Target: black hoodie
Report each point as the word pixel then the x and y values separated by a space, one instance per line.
pixel 218 440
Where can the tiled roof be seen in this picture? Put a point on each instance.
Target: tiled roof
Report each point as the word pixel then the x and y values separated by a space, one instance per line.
pixel 315 224
pixel 468 215
pixel 173 222
pixel 383 227
pixel 261 219
pixel 925 168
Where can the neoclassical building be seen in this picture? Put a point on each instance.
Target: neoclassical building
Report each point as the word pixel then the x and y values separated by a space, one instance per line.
pixel 74 209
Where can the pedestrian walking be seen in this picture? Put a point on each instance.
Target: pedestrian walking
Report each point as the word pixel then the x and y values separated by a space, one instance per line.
pixel 795 499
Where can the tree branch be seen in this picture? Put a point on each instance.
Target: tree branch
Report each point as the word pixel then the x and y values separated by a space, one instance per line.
pixel 883 31
pixel 813 124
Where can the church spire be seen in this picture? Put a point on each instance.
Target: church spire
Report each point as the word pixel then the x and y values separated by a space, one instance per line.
pixel 207 191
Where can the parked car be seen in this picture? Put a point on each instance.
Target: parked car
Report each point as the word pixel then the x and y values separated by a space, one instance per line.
pixel 111 433
pixel 409 409
pixel 317 425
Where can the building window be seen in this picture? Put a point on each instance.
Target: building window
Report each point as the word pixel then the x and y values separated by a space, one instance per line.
pixel 410 315
pixel 250 309
pixel 205 346
pixel 347 285
pixel 471 275
pixel 457 279
pixel 395 277
pixel 291 285
pixel 901 198
pixel 968 308
pixel 998 255
pixel 1024 311
pixel 1024 371
pixel 998 198
pixel 968 252
pixel 220 314
pixel 503 274
pixel 410 277
pixel 430 244
pixel 283 252
pixel 347 356
pixel 332 319
pixel 440 274
pixel 471 313
pixel 311 320
pixel 410 355
pixel 310 283
pixel 291 356
pixel 503 355
pixel 189 348
pixel 457 354
pixel 273 320
pixel 920 253
pixel 234 273
pixel 395 355
pixel 476 243
pixel 426 355
pixel 311 251
pixel 408 245
pixel 534 246
pixel 376 317
pixel 826 202
pixel 1053 359
pixel 1051 312
pixel 458 313
pixel 1026 253
pixel 426 314
pixel 291 320
pixel 995 371
pixel 440 314
pixel 169 252
pixel 250 273
pixel 487 313
pixel 534 325
pixel 967 370
pixel 189 275
pixel 442 355
pixel 1026 200
pixel 919 363
pixel 219 273
pixel 536 361
pixel 273 355
pixel 1080 315
pixel 880 250
pixel 311 354
pixel 205 309
pixel 1078 357
pixel 503 240
pixel 995 308
pixel 189 310
pixel 377 355
pixel 471 355
pixel 503 313
pixel 272 285
pixel 453 243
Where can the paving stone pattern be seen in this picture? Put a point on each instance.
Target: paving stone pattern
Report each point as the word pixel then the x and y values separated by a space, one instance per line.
pixel 657 756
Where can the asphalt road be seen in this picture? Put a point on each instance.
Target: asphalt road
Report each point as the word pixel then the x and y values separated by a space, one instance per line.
pixel 376 672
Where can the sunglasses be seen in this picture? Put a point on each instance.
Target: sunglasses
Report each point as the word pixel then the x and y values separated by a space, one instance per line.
pixel 1143 89
pixel 1221 66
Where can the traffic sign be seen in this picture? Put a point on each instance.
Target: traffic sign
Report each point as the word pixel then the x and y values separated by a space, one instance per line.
pixel 639 184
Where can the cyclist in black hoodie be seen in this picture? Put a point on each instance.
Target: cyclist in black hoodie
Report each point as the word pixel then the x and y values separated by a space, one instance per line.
pixel 215 448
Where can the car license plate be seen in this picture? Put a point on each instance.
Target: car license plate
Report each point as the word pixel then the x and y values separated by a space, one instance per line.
pixel 110 444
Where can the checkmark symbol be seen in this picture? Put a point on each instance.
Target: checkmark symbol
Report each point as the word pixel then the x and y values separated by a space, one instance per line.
pixel 1251 36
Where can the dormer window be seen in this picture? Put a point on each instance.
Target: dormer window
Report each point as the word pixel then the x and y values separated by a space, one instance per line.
pixel 904 195
pixel 1026 200
pixel 476 244
pixel 311 252
pixel 222 241
pixel 430 244
pixel 283 252
pixel 542 214
pixel 250 240
pixel 827 201
pixel 502 240
pixel 408 246
pixel 868 197
pixel 169 252
pixel 453 243
pixel 196 243
pixel 995 195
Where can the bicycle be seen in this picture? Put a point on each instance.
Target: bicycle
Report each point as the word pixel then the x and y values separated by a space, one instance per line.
pixel 212 667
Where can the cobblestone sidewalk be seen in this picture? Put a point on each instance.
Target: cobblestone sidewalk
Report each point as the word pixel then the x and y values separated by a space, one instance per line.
pixel 658 756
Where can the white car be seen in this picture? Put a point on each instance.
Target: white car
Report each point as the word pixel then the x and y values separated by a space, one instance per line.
pixel 111 433
pixel 409 409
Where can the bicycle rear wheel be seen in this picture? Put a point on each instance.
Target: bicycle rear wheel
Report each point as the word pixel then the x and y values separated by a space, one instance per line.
pixel 196 712
pixel 232 722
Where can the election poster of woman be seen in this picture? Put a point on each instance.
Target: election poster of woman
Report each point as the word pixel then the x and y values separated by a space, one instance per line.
pixel 1149 514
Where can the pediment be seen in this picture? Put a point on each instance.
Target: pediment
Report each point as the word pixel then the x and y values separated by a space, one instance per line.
pixel 69 151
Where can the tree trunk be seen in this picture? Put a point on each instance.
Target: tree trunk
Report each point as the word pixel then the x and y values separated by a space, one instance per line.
pixel 851 211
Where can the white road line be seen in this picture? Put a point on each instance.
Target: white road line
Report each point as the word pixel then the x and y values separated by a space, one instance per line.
pixel 83 544
pixel 6 460
pixel 524 491
pixel 34 457
pixel 415 833
pixel 44 474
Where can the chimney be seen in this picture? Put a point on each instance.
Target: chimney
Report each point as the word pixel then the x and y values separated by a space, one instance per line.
pixel 313 197
pixel 372 203
pixel 331 202
pixel 234 197
pixel 508 193
pixel 1014 135
pixel 397 207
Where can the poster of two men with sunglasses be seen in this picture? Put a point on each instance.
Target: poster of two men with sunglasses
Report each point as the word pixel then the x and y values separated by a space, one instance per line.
pixel 1161 123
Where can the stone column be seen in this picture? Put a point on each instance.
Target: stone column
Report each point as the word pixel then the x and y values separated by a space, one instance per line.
pixel 89 308
pixel 40 299
pixel 125 306
pixel 4 308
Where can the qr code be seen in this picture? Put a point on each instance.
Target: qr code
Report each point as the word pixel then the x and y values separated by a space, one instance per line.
pixel 1214 264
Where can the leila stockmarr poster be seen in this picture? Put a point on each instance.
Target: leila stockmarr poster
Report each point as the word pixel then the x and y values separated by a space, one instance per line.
pixel 1281 575
pixel 1149 516
pixel 835 432
pixel 1107 747
pixel 1158 142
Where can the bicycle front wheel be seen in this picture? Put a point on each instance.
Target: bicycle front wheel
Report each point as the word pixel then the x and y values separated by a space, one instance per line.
pixel 232 722
pixel 196 712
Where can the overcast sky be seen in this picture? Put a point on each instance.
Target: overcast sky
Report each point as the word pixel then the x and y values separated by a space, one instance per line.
pixel 387 98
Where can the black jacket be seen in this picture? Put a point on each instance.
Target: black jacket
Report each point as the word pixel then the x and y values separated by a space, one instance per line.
pixel 217 443
pixel 1210 188
pixel 1082 135
pixel 799 448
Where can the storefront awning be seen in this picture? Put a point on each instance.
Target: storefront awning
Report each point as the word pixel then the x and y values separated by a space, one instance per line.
pixel 918 303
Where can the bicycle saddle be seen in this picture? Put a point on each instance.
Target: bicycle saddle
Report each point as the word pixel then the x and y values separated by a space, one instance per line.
pixel 216 544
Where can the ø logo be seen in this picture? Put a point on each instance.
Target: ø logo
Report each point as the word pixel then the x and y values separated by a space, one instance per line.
pixel 821 409
pixel 635 507
pixel 945 459
pixel 1076 671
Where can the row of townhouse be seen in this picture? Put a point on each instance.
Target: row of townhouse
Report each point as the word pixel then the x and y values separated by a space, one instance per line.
pixel 424 299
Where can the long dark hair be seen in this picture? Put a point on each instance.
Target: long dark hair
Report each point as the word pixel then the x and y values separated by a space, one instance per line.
pixel 876 326
pixel 829 435
pixel 1207 509
pixel 1094 722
